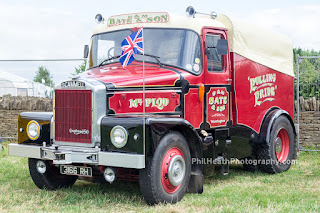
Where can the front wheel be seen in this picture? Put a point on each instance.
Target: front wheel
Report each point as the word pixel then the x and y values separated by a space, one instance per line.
pixel 166 177
pixel 276 156
pixel 45 175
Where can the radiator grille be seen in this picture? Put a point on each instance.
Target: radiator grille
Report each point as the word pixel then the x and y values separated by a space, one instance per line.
pixel 73 116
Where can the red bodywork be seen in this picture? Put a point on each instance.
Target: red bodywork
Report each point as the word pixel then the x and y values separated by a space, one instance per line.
pixel 132 75
pixel 241 94
pixel 257 90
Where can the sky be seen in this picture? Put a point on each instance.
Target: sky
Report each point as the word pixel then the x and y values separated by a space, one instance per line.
pixel 39 29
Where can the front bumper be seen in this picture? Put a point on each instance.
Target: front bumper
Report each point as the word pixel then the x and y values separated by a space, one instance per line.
pixel 63 155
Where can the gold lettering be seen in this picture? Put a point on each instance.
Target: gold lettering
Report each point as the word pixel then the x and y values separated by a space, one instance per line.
pixel 159 103
pixel 211 100
pixel 165 102
pixel 133 103
pixel 216 100
pixel 148 102
pixel 225 99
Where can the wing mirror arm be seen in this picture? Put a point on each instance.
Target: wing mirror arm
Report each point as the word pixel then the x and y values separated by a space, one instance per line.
pixel 86 51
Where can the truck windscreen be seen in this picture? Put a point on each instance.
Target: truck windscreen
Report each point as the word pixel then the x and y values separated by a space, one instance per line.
pixel 175 47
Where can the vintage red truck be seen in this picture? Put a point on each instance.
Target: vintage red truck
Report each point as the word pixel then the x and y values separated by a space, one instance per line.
pixel 212 88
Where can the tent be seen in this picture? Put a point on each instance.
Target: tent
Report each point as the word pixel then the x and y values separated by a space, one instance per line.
pixel 15 85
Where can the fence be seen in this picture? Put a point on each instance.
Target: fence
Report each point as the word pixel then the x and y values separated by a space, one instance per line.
pixel 308 99
pixel 25 70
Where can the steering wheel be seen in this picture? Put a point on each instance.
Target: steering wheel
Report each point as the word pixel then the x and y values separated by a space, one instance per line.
pixel 109 52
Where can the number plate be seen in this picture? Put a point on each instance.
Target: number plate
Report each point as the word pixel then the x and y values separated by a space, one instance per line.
pixel 76 170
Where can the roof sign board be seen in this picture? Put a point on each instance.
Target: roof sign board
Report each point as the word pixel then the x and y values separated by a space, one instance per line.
pixel 137 18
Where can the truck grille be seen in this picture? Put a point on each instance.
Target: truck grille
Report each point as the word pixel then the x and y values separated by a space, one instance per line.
pixel 73 116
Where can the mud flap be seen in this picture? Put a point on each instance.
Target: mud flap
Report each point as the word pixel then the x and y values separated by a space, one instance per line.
pixel 196 183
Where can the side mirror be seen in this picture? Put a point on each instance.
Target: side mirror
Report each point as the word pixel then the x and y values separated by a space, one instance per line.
pixel 222 47
pixel 86 51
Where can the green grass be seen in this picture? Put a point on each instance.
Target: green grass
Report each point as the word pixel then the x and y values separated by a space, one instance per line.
pixel 293 191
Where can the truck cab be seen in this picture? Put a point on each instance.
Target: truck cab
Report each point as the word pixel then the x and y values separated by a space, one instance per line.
pixel 203 91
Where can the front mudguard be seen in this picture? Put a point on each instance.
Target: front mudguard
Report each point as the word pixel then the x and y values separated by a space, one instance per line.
pixel 43 118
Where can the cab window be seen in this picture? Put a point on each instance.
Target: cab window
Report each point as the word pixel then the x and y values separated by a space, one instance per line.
pixel 214 60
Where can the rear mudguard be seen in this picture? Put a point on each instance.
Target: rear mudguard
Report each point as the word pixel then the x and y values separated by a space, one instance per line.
pixel 269 119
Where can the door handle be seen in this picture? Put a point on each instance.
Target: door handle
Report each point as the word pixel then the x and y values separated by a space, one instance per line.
pixel 229 80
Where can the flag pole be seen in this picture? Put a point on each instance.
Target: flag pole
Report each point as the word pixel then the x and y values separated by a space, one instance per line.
pixel 143 98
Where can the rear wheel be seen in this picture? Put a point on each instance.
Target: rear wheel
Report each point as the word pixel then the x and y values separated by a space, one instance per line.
pixel 46 175
pixel 166 177
pixel 276 156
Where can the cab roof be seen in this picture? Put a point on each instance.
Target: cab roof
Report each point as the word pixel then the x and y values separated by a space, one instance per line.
pixel 265 47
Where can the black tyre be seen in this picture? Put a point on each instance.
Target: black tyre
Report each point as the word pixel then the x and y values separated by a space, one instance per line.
pixel 49 176
pixel 276 156
pixel 249 164
pixel 166 177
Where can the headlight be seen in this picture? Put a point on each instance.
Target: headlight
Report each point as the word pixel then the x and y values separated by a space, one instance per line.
pixel 33 130
pixel 119 136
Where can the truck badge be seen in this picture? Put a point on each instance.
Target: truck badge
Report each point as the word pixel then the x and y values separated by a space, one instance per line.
pixel 76 84
pixel 79 132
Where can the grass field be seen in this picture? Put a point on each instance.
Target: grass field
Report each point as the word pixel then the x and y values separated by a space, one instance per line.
pixel 297 190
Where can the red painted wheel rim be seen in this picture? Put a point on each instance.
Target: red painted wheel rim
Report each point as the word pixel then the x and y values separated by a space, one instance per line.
pixel 283 141
pixel 164 170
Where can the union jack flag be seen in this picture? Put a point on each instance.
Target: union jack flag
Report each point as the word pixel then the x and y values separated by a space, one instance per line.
pixel 131 46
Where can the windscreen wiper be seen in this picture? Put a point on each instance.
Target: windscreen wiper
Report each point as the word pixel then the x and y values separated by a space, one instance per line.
pixel 118 56
pixel 108 59
pixel 153 56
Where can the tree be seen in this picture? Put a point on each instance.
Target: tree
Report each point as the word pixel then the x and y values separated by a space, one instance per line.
pixel 80 69
pixel 309 75
pixel 43 73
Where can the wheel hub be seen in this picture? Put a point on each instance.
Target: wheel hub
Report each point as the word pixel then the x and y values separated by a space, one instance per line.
pixel 173 170
pixel 278 145
pixel 176 171
pixel 282 145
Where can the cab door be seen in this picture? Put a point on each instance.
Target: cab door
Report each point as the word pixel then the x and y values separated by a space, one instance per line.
pixel 217 79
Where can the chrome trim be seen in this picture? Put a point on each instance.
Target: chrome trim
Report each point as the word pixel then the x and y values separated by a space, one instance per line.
pixel 51 128
pixel 66 155
pixel 112 138
pixel 38 127
pixel 24 150
pixel 124 160
pixel 99 108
